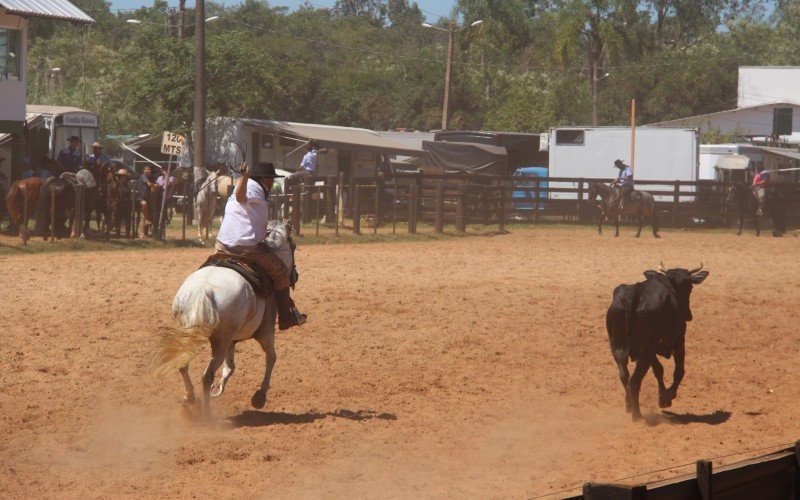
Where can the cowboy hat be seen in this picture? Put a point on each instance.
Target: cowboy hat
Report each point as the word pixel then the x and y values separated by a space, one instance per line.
pixel 122 171
pixel 264 169
pixel 96 144
pixel 74 138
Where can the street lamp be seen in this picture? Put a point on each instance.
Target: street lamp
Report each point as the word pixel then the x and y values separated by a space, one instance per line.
pixel 451 30
pixel 595 79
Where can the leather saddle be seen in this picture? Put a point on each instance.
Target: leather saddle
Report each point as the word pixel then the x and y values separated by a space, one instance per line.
pixel 246 267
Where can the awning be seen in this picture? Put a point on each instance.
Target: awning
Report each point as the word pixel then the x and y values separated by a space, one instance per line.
pixel 732 162
pixel 788 153
pixel 52 9
pixel 337 137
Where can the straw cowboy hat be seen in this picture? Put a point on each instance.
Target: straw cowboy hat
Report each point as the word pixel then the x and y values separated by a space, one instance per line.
pixel 122 171
pixel 96 144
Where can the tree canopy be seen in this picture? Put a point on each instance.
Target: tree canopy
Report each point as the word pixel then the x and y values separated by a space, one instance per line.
pixel 530 65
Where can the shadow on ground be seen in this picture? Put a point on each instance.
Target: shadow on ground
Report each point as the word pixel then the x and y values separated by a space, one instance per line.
pixel 253 418
pixel 668 417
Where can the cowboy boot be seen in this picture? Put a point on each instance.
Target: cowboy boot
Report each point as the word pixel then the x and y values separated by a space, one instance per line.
pixel 287 315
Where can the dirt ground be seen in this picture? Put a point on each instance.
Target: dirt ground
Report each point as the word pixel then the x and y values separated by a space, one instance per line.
pixel 472 367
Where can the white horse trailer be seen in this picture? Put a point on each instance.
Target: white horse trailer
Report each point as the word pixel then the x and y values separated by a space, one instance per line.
pixel 662 153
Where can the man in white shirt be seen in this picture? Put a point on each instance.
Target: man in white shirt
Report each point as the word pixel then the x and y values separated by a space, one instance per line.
pixel 244 229
pixel 309 164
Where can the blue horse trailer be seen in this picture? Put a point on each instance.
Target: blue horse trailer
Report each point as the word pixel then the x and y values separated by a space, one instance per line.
pixel 529 177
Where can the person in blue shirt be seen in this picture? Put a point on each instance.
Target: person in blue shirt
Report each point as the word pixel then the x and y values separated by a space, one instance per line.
pixel 624 181
pixel 97 157
pixel 70 159
pixel 309 164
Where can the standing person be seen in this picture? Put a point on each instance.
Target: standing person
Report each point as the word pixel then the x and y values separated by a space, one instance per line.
pixel 97 157
pixel 759 187
pixel 244 229
pixel 122 209
pixel 147 185
pixel 308 166
pixel 625 182
pixel 70 159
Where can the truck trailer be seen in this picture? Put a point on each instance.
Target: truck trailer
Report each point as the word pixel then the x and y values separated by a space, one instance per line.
pixel 662 153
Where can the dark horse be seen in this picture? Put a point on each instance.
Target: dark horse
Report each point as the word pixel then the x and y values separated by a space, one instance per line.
pixel 62 192
pixel 742 198
pixel 639 206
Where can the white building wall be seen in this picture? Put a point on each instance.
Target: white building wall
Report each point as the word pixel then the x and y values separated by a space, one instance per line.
pixel 12 92
pixel 755 121
pixel 764 84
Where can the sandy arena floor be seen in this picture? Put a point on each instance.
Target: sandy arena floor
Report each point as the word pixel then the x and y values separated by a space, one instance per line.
pixel 471 367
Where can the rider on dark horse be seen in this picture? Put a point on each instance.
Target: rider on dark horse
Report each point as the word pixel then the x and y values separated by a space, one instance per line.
pixel 244 228
pixel 625 183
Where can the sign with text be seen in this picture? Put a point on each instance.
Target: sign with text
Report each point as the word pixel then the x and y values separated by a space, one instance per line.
pixel 172 143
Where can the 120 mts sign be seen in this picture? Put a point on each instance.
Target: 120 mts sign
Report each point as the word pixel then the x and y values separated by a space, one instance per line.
pixel 172 143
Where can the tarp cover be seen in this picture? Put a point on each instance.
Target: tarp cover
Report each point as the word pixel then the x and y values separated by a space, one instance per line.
pixel 465 157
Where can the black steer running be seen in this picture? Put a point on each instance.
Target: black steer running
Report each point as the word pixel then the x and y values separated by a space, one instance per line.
pixel 646 320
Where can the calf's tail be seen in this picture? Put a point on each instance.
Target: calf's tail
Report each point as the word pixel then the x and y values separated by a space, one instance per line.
pixel 176 345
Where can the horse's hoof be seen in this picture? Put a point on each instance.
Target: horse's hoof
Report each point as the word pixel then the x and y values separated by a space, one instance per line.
pixel 656 236
pixel 664 403
pixel 259 399
pixel 217 389
pixel 190 410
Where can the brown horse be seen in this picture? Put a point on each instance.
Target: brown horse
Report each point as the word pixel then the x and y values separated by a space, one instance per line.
pixel 641 206
pixel 16 202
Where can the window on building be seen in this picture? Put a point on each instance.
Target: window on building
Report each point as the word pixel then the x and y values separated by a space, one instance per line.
pixel 10 53
pixel 569 137
pixel 782 121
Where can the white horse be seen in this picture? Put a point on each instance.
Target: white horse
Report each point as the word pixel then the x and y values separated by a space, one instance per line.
pixel 217 305
pixel 214 185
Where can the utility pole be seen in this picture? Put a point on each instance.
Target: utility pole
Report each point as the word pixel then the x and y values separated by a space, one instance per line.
pixel 181 15
pixel 450 32
pixel 199 138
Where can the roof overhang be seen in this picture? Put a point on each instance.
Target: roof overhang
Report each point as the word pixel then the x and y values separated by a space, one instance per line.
pixel 732 162
pixel 787 153
pixel 49 9
pixel 336 137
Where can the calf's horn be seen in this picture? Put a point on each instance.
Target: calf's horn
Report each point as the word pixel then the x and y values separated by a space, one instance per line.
pixel 661 267
pixel 698 269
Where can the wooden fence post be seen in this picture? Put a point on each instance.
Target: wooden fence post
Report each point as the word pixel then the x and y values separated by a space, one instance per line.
pixel 537 184
pixel 185 208
pixel 439 223
pixel 675 200
pixel 356 209
pixel 52 216
pixel 340 202
pixel 705 479
pixel 461 223
pixel 296 209
pixel 394 207
pixel 412 209
pixel 378 201
pixel 501 213
pixel 580 199
pixel 319 198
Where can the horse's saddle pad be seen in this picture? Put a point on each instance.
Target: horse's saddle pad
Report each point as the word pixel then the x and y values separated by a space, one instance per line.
pixel 246 267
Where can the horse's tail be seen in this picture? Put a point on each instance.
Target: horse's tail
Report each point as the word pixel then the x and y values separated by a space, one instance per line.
pixel 178 344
